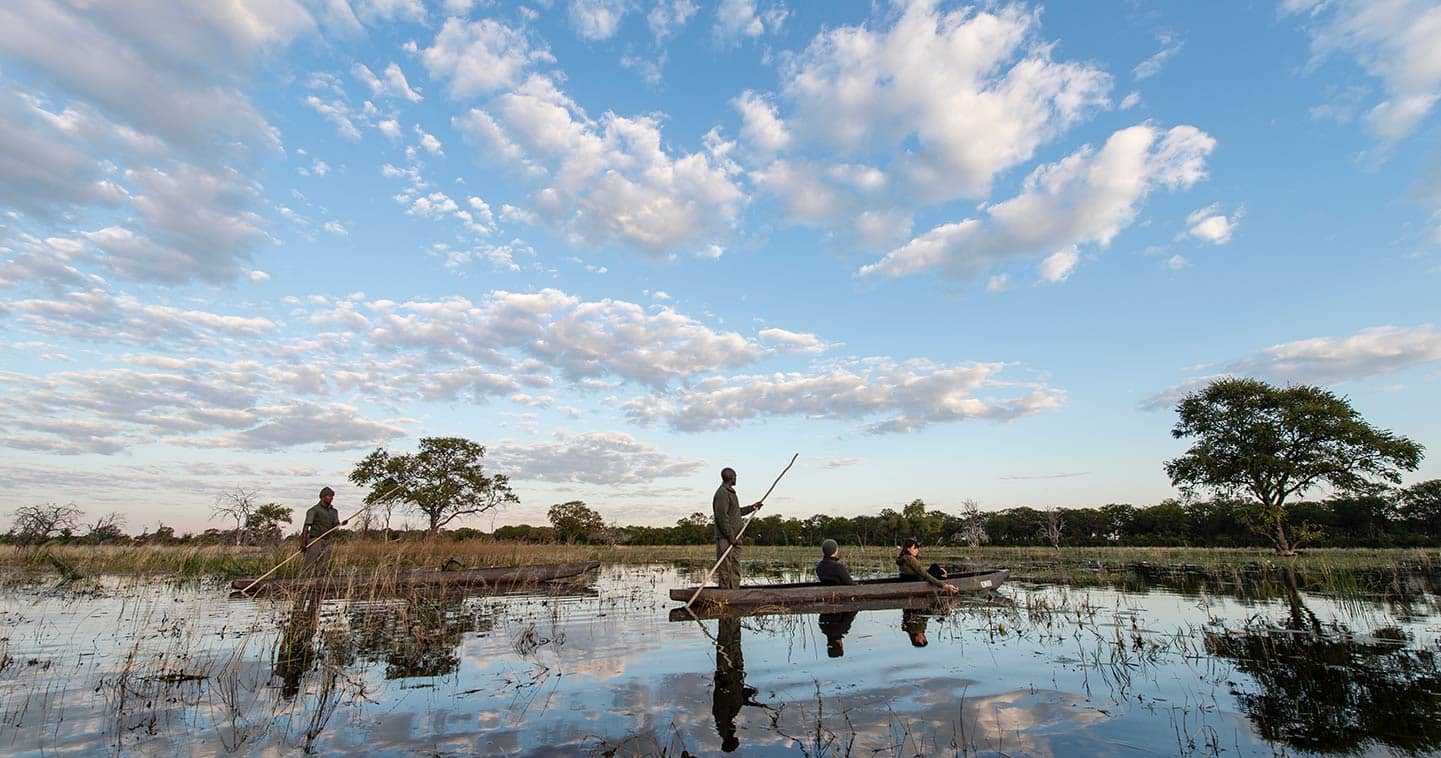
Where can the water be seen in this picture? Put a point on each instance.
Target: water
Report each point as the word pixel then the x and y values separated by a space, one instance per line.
pixel 142 667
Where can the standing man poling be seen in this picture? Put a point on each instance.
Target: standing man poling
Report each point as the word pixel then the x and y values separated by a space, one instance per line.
pixel 728 524
pixel 315 539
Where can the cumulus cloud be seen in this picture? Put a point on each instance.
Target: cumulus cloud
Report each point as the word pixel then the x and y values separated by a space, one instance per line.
pixel 1371 352
pixel 1393 40
pixel 738 19
pixel 49 166
pixel 1085 199
pixel 952 98
pixel 608 181
pixel 1058 265
pixel 592 458
pixel 480 57
pixel 1209 224
pixel 667 17
pixel 906 396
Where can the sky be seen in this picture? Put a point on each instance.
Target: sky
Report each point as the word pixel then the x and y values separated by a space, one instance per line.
pixel 941 251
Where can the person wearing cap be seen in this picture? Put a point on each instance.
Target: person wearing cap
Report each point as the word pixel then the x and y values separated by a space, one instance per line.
pixel 909 562
pixel 830 570
pixel 728 525
pixel 316 535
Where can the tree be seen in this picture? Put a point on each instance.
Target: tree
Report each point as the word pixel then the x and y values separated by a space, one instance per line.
pixel 444 480
pixel 106 529
pixel 236 504
pixel 38 523
pixel 1053 525
pixel 973 524
pixel 574 522
pixel 1273 443
pixel 264 522
pixel 1421 507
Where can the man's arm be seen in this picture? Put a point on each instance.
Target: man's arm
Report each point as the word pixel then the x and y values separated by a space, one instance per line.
pixel 845 574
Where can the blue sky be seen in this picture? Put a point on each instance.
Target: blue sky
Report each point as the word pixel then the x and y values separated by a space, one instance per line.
pixel 942 251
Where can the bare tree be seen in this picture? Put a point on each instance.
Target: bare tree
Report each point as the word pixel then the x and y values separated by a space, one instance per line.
pixel 38 523
pixel 1053 526
pixel 236 504
pixel 973 524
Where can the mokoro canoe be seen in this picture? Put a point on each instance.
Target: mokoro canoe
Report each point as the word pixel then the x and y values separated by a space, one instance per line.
pixel 815 593
pixel 498 577
pixel 910 603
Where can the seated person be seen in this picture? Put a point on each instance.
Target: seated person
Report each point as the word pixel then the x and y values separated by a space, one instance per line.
pixel 909 562
pixel 830 570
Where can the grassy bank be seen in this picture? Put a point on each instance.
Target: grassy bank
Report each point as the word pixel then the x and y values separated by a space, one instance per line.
pixel 1106 565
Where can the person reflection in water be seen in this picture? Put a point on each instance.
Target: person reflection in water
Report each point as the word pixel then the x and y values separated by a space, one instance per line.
pixel 914 624
pixel 731 691
pixel 835 626
pixel 296 652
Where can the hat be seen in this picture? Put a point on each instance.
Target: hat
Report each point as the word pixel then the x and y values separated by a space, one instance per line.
pixel 829 547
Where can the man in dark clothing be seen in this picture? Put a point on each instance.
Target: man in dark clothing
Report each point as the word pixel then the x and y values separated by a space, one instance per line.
pixel 731 691
pixel 728 525
pixel 830 570
pixel 315 536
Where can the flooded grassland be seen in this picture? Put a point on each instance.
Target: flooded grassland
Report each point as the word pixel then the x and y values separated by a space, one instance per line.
pixel 1181 661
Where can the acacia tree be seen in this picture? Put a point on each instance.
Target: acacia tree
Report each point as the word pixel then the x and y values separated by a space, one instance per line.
pixel 443 480
pixel 574 521
pixel 264 522
pixel 1272 443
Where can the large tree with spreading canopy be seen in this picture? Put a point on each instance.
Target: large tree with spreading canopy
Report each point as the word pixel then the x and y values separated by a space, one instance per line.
pixel 1272 443
pixel 443 480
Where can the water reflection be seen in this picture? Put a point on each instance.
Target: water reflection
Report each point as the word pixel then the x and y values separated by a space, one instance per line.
pixel 835 627
pixel 1320 686
pixel 731 690
pixel 296 652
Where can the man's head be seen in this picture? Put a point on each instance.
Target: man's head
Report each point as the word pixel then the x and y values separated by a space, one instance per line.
pixel 728 475
pixel 829 548
pixel 326 495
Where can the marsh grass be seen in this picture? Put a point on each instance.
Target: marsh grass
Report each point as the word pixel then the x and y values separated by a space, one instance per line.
pixel 1388 573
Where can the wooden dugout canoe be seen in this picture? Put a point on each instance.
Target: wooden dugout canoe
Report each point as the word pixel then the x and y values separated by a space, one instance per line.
pixel 492 577
pixel 815 594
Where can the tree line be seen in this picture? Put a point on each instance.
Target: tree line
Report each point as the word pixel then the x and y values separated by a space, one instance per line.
pixel 1256 449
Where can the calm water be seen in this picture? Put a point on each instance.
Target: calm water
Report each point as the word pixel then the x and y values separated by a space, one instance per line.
pixel 148 668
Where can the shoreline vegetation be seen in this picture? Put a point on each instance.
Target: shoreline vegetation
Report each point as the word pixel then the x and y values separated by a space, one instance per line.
pixel 1067 565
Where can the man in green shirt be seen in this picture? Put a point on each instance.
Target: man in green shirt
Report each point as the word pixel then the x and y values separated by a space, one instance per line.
pixel 728 524
pixel 315 541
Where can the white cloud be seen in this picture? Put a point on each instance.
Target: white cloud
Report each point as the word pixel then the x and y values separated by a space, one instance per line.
pixel 1152 65
pixel 1058 265
pixel 176 75
pixel 49 164
pixel 1394 40
pixel 337 113
pixel 597 19
pixel 907 396
pixel 952 98
pixel 787 341
pixel 998 283
pixel 1131 100
pixel 668 17
pixel 1086 198
pixel 390 128
pixel 592 458
pixel 428 141
pixel 761 128
pixel 336 228
pixel 608 182
pixel 1372 352
pixel 480 57
pixel 393 85
pixel 735 19
pixel 1210 225
pixel 1177 262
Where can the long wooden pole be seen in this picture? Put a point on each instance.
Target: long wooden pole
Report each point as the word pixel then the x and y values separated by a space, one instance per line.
pixel 747 523
pixel 301 551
